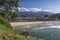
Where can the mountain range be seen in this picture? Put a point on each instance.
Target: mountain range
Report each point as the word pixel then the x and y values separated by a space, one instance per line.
pixel 34 14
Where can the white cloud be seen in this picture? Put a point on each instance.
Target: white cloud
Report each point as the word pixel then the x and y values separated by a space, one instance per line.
pixel 25 9
pixel 45 10
pixel 48 10
pixel 19 9
pixel 33 9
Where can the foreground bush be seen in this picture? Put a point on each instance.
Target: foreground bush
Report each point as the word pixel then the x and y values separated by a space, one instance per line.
pixel 9 34
pixel 5 22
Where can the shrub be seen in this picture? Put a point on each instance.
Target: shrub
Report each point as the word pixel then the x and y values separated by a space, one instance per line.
pixel 5 22
pixel 26 33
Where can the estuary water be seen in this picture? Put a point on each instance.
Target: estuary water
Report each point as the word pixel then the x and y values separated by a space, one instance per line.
pixel 43 31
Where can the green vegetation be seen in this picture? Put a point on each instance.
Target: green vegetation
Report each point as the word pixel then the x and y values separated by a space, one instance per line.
pixel 6 31
pixel 9 34
pixel 26 33
pixel 5 22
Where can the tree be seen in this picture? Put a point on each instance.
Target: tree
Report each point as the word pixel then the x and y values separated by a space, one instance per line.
pixel 23 16
pixel 13 15
pixel 7 5
pixel 5 11
pixel 45 15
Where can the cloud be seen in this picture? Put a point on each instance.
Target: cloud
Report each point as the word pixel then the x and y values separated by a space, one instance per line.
pixel 48 10
pixel 33 9
pixel 23 9
pixel 19 9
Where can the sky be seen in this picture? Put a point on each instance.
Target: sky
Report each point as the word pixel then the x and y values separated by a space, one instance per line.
pixel 40 5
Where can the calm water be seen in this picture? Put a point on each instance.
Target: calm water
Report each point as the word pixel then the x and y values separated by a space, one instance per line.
pixel 43 31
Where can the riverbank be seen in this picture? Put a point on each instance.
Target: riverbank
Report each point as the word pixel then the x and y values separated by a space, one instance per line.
pixel 16 24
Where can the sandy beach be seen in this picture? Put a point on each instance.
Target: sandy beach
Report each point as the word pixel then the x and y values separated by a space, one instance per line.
pixel 16 24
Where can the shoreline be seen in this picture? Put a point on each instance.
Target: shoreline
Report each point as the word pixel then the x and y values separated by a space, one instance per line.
pixel 16 24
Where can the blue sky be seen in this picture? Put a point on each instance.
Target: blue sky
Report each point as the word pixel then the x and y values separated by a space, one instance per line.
pixel 53 5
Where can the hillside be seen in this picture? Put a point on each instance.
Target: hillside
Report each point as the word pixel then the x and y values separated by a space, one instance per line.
pixel 7 33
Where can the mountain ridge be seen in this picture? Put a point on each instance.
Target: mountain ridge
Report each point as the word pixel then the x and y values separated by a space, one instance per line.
pixel 34 14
